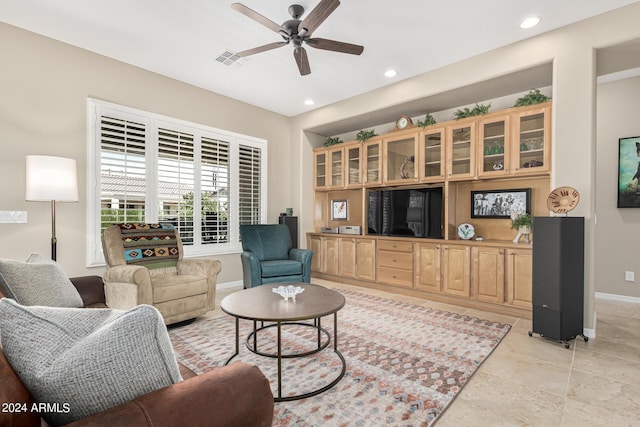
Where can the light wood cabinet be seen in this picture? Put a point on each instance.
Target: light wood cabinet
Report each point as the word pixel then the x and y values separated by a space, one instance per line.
pixel 314 243
pixel 428 268
pixel 366 259
pixel 372 158
pixel 531 148
pixel 320 180
pixel 331 255
pixel 353 165
pixel 460 151
pixel 494 147
pixel 395 262
pixel 347 262
pixel 456 269
pixel 432 155
pixel 487 276
pixel 519 269
pixel 336 168
pixel 399 154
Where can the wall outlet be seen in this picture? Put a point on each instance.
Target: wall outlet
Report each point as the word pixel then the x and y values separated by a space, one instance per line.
pixel 629 276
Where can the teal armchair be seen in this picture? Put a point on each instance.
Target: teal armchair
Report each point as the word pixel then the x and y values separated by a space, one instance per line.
pixel 267 256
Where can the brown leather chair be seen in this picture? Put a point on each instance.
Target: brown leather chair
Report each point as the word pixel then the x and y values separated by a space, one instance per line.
pixel 234 395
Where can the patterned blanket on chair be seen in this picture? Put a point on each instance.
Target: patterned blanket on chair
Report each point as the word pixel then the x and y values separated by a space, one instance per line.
pixel 150 245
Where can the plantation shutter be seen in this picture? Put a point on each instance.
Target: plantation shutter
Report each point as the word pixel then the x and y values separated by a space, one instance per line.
pixel 176 181
pixel 250 185
pixel 214 193
pixel 122 171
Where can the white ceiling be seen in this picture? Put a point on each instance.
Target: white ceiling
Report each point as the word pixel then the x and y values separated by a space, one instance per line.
pixel 183 39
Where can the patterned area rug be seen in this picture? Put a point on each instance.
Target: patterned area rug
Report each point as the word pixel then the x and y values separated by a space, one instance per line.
pixel 405 363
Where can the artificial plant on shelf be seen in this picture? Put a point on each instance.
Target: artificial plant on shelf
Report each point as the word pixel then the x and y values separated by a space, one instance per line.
pixel 478 110
pixel 428 121
pixel 522 222
pixel 332 141
pixel 533 97
pixel 363 135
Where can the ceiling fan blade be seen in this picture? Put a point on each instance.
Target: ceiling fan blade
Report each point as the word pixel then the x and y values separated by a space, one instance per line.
pixel 250 13
pixel 301 59
pixel 317 16
pixel 335 46
pixel 261 49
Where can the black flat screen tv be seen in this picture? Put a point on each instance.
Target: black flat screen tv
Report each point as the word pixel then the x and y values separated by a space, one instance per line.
pixel 402 212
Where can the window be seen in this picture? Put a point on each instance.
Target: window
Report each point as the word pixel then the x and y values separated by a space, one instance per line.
pixel 149 168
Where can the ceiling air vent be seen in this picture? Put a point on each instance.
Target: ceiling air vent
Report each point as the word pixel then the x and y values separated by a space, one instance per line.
pixel 229 58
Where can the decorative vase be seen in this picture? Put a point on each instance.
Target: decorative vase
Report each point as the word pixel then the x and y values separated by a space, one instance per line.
pixel 523 230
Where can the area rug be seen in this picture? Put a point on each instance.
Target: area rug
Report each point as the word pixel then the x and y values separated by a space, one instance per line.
pixel 405 362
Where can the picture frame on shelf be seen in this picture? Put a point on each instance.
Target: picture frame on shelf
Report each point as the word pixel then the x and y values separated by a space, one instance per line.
pixel 629 172
pixel 339 209
pixel 500 203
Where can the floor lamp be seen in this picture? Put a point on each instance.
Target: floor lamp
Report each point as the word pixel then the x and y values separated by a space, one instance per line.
pixel 52 179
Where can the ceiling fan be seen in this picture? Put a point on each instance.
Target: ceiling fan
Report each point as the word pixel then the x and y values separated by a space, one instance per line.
pixel 298 32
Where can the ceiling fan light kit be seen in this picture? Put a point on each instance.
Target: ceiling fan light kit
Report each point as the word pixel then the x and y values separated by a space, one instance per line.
pixel 298 32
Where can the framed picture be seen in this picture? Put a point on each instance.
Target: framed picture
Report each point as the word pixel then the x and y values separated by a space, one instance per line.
pixel 339 209
pixel 500 203
pixel 629 172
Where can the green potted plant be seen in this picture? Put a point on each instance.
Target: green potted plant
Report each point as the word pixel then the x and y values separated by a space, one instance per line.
pixel 332 141
pixel 428 121
pixel 522 222
pixel 533 97
pixel 363 135
pixel 478 110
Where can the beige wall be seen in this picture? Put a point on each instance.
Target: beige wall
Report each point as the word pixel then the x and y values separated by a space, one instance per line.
pixel 44 85
pixel 571 49
pixel 618 230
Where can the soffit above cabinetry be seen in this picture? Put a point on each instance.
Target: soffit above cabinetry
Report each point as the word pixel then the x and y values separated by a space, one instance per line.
pixel 521 81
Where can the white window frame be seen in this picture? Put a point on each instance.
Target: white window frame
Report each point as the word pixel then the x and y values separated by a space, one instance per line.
pixel 97 108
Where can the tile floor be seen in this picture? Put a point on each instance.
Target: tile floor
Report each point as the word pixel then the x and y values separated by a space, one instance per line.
pixel 530 381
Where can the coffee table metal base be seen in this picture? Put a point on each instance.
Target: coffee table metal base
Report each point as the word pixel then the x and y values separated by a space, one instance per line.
pixel 251 343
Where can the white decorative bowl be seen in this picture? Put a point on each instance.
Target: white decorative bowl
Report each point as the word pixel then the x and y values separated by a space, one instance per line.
pixel 287 292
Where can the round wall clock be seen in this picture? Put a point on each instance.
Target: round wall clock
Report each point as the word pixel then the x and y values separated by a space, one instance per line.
pixel 466 231
pixel 563 199
pixel 404 122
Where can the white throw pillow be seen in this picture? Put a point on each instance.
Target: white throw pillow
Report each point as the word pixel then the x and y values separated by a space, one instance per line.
pixel 39 281
pixel 86 360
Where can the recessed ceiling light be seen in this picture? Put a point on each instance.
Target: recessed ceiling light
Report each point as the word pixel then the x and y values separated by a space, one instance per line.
pixel 532 21
pixel 390 73
pixel 309 102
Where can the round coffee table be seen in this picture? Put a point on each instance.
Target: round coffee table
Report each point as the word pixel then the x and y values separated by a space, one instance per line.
pixel 261 304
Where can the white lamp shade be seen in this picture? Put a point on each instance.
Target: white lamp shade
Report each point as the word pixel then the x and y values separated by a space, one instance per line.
pixel 51 178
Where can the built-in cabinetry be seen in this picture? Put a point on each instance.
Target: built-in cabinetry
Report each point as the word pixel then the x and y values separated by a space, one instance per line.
pixel 500 150
pixel 493 275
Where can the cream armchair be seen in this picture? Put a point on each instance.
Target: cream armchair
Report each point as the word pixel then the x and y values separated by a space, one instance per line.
pixel 145 265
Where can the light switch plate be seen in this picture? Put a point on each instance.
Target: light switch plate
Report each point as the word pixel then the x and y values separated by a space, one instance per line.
pixel 13 217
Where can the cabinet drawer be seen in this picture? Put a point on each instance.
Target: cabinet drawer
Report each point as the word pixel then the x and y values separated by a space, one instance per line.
pixel 400 260
pixel 395 245
pixel 395 276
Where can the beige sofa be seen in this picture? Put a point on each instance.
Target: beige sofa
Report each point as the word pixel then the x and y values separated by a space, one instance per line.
pixel 145 265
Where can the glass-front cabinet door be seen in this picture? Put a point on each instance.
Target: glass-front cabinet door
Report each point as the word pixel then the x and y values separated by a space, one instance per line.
pixel 400 159
pixel 494 149
pixel 354 165
pixel 432 148
pixel 320 170
pixel 336 167
pixel 372 157
pixel 461 143
pixel 531 146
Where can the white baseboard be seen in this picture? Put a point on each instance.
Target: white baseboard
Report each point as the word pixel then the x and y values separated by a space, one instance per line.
pixel 237 283
pixel 615 297
pixel 588 332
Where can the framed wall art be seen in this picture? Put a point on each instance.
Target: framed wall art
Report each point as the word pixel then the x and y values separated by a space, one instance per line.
pixel 500 203
pixel 339 209
pixel 629 172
